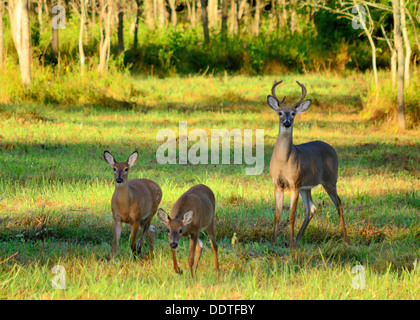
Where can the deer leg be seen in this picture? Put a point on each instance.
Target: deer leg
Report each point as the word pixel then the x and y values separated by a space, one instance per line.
pixel 309 212
pixel 151 237
pixel 198 249
pixel 332 192
pixel 116 227
pixel 141 240
pixel 176 266
pixel 193 245
pixel 212 235
pixel 134 229
pixel 279 196
pixel 293 204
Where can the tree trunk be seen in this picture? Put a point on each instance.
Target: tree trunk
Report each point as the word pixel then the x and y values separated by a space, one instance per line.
pixel 257 16
pixel 148 20
pixel 148 10
pixel 120 31
pixel 204 21
pixel 293 17
pixel 284 15
pixel 194 13
pixel 406 44
pixel 105 43
pixel 54 38
pixel 162 14
pixel 19 23
pixel 40 21
pixel 234 24
pixel 93 12
pixel 82 58
pixel 1 35
pixel 224 19
pixel 172 5
pixel 373 47
pixel 400 51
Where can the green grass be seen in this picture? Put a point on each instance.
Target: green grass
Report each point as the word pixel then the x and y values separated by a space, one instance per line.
pixel 56 191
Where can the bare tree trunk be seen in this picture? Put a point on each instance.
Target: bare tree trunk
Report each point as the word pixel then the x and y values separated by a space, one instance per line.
pixel 148 8
pixel 1 35
pixel 234 24
pixel 93 12
pixel 172 5
pixel 224 19
pixel 257 16
pixel 400 51
pixel 293 17
pixel 194 13
pixel 148 20
pixel 105 43
pixel 120 31
pixel 82 58
pixel 19 23
pixel 406 44
pixel 210 12
pixel 54 38
pixel 372 44
pixel 204 21
pixel 40 21
pixel 162 14
pixel 155 10
pixel 284 15
pixel 215 10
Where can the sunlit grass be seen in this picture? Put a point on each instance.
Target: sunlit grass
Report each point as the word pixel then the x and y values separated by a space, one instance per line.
pixel 56 191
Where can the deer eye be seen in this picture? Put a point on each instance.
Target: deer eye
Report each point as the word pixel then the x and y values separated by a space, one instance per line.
pixel 168 231
pixel 115 169
pixel 280 113
pixel 126 169
pixel 180 231
pixel 293 113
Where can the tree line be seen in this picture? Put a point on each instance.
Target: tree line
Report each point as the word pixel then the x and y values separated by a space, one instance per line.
pixel 391 22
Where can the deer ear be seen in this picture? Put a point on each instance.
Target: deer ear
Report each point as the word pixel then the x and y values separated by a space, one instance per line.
pixel 188 217
pixel 163 216
pixel 273 103
pixel 303 106
pixel 133 159
pixel 109 158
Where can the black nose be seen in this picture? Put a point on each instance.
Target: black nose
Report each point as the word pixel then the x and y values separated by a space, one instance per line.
pixel 119 180
pixel 174 245
pixel 287 124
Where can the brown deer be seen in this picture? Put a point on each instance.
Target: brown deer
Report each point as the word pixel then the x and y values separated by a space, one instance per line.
pixel 300 168
pixel 193 211
pixel 134 202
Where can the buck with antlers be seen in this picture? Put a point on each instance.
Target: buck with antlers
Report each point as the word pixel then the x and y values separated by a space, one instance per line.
pixel 300 168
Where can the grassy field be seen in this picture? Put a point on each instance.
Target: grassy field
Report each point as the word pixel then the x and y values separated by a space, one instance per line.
pixel 56 191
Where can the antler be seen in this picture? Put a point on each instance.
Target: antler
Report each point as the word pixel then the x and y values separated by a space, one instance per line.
pixel 303 95
pixel 273 92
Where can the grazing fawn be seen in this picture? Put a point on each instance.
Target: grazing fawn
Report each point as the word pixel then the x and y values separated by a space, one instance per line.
pixel 300 168
pixel 134 202
pixel 193 211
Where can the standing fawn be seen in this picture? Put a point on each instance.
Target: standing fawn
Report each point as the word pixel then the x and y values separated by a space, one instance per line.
pixel 193 211
pixel 300 168
pixel 134 202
